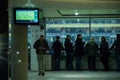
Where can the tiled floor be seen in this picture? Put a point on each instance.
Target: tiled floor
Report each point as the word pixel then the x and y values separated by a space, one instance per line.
pixel 75 75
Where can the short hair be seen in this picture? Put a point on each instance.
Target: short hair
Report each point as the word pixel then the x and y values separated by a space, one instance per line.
pixel 57 37
pixel 103 38
pixel 79 35
pixel 68 36
pixel 41 36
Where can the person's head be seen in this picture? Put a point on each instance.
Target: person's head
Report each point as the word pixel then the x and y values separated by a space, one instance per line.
pixel 79 36
pixel 103 38
pixel 41 37
pixel 68 37
pixel 57 37
pixel 92 39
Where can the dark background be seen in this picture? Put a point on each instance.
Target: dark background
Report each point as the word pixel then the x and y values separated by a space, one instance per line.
pixel 3 39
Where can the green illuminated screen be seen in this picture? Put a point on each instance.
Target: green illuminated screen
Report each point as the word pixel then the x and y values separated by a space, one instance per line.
pixel 25 15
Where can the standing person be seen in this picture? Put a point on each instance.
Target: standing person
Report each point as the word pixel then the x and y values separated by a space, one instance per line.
pixel 91 50
pixel 104 53
pixel 57 48
pixel 116 46
pixel 79 51
pixel 69 52
pixel 41 46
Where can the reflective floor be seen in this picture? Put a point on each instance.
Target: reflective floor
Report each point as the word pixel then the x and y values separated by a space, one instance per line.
pixel 75 75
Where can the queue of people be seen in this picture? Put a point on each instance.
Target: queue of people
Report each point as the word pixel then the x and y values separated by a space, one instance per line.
pixel 91 49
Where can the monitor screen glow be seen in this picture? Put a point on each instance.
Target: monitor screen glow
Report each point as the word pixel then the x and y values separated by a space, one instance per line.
pixel 26 16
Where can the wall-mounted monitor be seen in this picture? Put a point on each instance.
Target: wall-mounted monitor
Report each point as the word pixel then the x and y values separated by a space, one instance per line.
pixel 28 16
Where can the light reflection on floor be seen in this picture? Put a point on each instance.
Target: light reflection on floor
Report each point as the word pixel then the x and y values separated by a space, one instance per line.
pixel 75 75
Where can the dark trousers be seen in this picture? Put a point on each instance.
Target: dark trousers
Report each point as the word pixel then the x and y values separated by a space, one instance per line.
pixel 105 62
pixel 92 63
pixel 56 62
pixel 78 63
pixel 118 62
pixel 69 61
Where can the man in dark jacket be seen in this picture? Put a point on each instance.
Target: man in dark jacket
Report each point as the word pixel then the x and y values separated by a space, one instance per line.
pixel 79 51
pixel 104 53
pixel 57 48
pixel 116 46
pixel 69 53
pixel 41 46
pixel 91 50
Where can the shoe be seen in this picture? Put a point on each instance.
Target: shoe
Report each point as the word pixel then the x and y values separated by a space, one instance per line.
pixel 43 74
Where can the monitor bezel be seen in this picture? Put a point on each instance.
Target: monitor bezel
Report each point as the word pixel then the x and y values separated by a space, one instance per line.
pixel 25 23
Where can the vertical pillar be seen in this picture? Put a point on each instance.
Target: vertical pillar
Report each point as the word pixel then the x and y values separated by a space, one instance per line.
pixel 90 32
pixel 19 53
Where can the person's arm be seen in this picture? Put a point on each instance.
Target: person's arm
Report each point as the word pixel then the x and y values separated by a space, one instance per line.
pixel 62 47
pixel 53 45
pixel 98 50
pixel 112 47
pixel 97 47
pixel 35 45
pixel 86 46
pixel 47 47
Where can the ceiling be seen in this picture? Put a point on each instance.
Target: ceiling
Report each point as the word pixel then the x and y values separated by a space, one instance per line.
pixel 67 8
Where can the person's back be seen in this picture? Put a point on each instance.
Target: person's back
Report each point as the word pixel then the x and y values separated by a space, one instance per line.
pixel 79 47
pixel 104 48
pixel 57 46
pixel 116 46
pixel 68 46
pixel 91 48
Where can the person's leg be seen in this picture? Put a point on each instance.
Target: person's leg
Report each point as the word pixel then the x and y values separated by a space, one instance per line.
pixel 106 64
pixel 89 63
pixel 118 62
pixel 93 63
pixel 58 62
pixel 102 61
pixel 70 61
pixel 42 64
pixel 67 62
pixel 55 62
pixel 38 59
pixel 78 63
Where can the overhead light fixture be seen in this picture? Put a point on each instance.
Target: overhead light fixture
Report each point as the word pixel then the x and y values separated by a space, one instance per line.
pixel 76 13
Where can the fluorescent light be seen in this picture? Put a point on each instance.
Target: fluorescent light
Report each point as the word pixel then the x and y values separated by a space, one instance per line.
pixel 76 13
